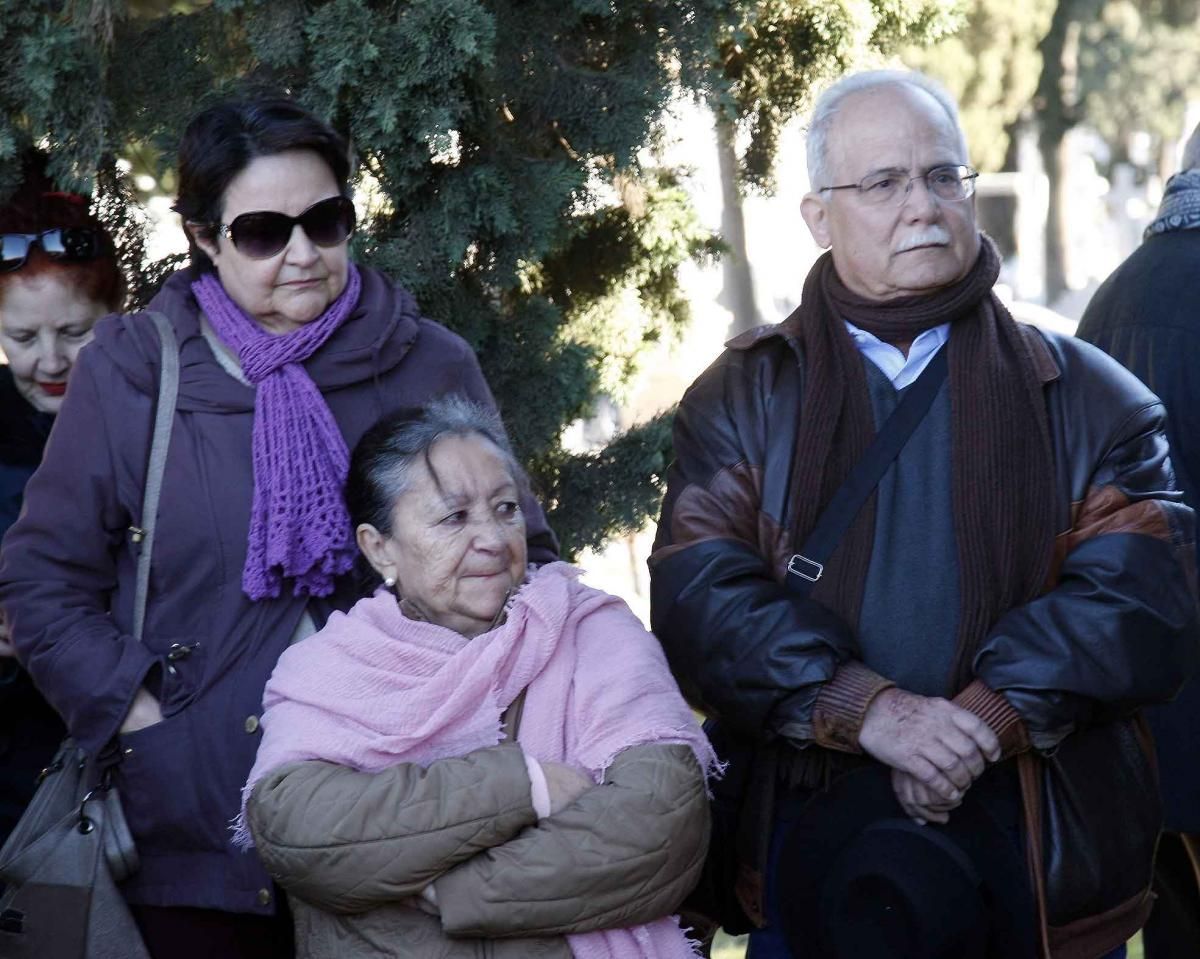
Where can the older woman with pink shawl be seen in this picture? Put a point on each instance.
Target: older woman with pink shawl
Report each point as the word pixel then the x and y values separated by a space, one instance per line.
pixel 480 759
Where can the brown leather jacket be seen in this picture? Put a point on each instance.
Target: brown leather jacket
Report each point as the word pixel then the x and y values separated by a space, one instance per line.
pixel 1115 628
pixel 354 850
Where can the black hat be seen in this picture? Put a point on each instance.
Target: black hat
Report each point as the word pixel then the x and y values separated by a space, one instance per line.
pixel 857 879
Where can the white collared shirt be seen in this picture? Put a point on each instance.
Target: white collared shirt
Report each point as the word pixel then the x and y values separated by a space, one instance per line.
pixel 898 368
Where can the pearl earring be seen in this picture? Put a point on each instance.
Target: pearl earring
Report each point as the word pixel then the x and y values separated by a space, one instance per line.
pixel 389 581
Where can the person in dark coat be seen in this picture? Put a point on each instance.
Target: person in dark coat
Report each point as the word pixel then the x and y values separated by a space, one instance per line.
pixel 1147 316
pixel 288 353
pixel 58 275
pixel 940 743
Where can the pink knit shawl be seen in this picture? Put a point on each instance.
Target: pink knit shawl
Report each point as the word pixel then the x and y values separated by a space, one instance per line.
pixel 374 688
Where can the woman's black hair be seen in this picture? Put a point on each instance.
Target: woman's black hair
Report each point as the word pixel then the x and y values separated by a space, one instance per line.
pixel 222 140
pixel 380 463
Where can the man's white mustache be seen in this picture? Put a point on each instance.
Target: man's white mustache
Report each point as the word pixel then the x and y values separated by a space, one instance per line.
pixel 930 236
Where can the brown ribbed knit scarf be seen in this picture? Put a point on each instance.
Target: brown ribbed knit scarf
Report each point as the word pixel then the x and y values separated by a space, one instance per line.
pixel 1003 495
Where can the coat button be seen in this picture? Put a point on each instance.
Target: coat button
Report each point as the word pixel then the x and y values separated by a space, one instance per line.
pixel 251 724
pixel 264 897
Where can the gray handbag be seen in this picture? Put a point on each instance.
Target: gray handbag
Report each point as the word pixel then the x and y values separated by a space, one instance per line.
pixel 72 845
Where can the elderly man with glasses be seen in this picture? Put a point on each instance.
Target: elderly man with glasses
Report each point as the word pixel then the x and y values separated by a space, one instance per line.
pixel 920 566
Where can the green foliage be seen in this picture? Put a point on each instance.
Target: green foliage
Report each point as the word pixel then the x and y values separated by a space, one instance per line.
pixel 48 86
pixel 775 54
pixel 606 492
pixel 506 151
pixel 115 203
pixel 1143 47
pixel 1117 65
pixel 615 278
pixel 991 66
pixel 1135 68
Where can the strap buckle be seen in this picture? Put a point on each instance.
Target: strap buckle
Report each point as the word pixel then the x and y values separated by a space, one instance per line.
pixel 805 568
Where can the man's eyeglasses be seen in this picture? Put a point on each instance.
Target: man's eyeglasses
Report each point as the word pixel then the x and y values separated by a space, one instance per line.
pixel 69 244
pixel 890 186
pixel 263 233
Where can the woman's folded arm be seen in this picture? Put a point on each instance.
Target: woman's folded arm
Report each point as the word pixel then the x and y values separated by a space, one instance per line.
pixel 345 841
pixel 624 853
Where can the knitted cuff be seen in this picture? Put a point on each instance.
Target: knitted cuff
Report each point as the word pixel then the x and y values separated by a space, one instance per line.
pixel 998 713
pixel 842 703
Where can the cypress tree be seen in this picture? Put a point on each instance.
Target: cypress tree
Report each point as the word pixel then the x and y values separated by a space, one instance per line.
pixel 506 147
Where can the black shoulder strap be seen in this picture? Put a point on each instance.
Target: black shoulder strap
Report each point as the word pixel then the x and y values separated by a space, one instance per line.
pixel 808 564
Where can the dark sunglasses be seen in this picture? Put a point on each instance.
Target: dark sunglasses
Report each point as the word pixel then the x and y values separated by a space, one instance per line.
pixel 70 244
pixel 264 233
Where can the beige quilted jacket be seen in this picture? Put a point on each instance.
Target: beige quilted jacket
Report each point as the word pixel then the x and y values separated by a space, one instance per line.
pixel 355 849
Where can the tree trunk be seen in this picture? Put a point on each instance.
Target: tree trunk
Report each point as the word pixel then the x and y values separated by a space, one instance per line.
pixel 738 291
pixel 1053 124
pixel 1058 101
pixel 1053 155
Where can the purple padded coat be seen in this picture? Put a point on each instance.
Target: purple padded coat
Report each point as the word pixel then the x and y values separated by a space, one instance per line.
pixel 67 573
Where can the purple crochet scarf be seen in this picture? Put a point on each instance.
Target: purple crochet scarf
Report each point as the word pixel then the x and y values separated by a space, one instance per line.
pixel 299 526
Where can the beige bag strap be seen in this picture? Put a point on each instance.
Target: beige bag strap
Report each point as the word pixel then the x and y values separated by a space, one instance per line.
pixel 164 418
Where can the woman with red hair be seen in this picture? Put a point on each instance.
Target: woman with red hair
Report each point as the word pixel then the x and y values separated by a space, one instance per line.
pixel 58 275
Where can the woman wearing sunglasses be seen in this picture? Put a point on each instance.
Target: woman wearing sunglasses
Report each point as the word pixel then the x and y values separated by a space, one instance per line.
pixel 58 275
pixel 288 353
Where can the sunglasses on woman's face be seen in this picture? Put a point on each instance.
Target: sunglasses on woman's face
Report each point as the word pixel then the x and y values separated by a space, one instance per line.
pixel 263 233
pixel 67 244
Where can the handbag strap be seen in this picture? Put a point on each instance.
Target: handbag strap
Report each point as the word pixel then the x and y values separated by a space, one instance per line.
pixel 511 719
pixel 164 419
pixel 808 564
pixel 1029 773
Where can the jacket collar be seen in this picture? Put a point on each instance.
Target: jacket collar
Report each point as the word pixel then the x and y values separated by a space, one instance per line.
pixel 1044 361
pixel 373 340
pixel 1047 367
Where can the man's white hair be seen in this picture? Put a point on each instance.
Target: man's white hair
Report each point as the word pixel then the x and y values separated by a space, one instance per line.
pixel 828 103
pixel 1191 151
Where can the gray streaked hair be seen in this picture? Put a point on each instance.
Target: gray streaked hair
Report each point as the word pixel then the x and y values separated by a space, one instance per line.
pixel 1191 151
pixel 382 461
pixel 826 108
